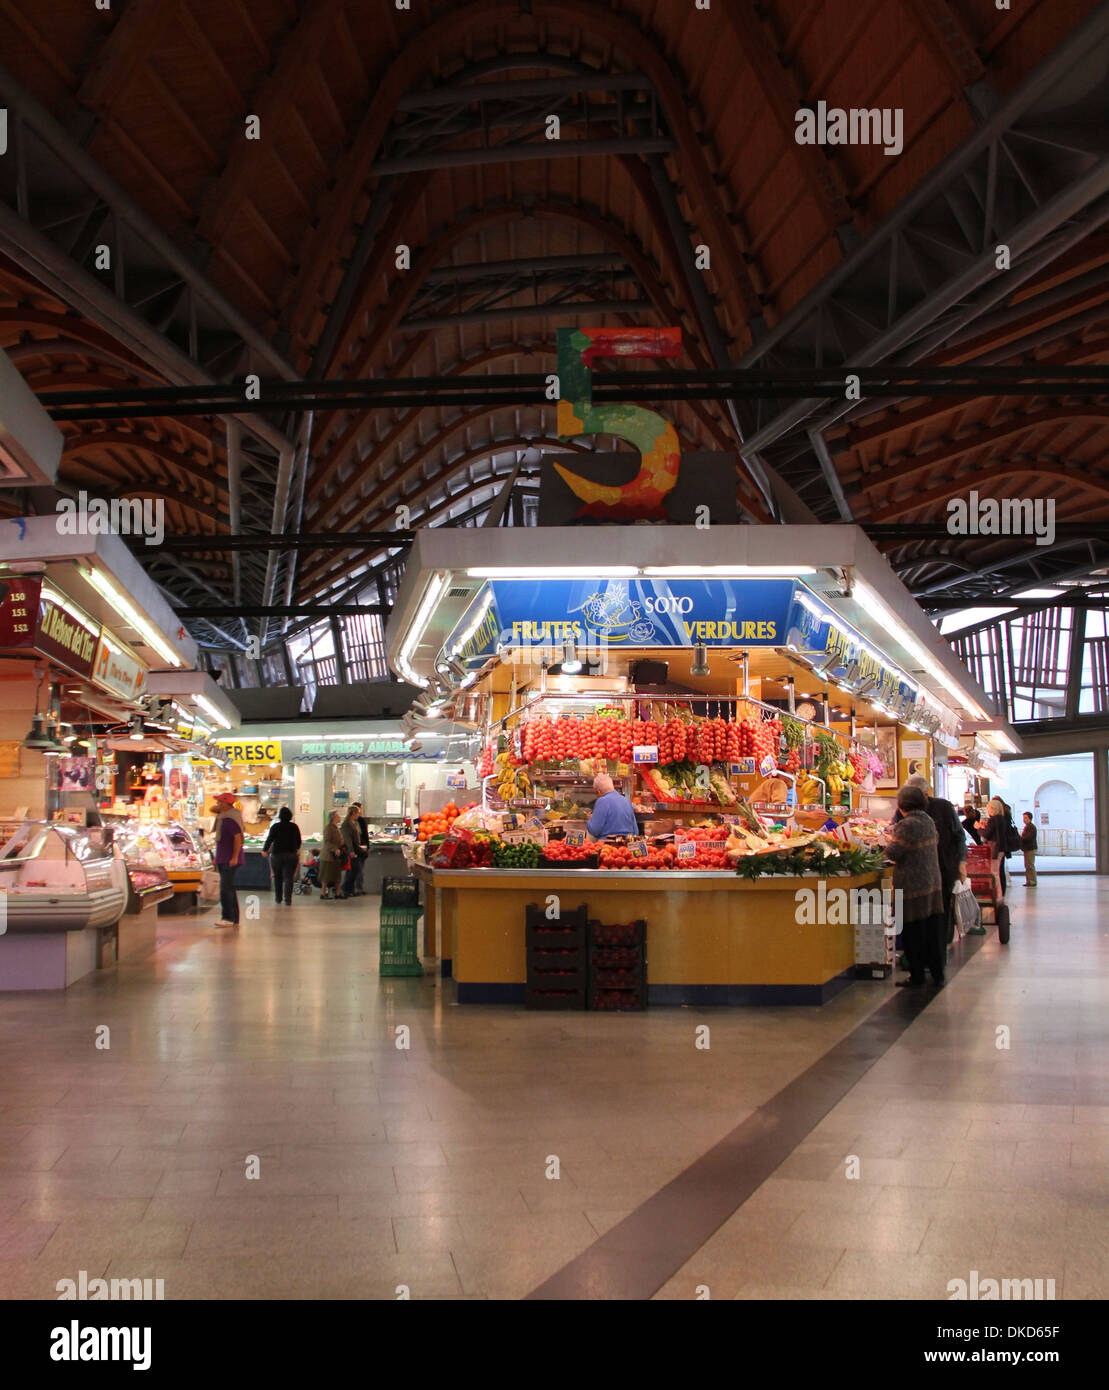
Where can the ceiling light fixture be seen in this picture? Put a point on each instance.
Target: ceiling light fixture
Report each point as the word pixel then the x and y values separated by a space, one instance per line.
pixel 700 665
pixel 211 711
pixel 146 630
pixel 570 663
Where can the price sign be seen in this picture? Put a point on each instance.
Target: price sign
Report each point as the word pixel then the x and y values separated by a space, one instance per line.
pixel 744 768
pixel 768 765
pixel 638 849
pixel 731 820
pixel 687 849
pixel 645 753
pixel 456 779
pixel 575 838
pixel 714 844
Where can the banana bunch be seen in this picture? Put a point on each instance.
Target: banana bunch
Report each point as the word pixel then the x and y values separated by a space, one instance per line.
pixel 809 791
pixel 837 777
pixel 513 783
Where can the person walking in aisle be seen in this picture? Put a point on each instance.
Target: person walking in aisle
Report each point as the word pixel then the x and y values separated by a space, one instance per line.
pixel 911 848
pixel 994 836
pixel 1029 845
pixel 354 851
pixel 363 847
pixel 971 817
pixel 332 855
pixel 229 856
pixel 283 847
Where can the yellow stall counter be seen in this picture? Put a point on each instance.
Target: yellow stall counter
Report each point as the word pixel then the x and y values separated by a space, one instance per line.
pixel 712 937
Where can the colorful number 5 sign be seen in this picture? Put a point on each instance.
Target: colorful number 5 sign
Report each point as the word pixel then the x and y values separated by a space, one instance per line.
pixel 654 437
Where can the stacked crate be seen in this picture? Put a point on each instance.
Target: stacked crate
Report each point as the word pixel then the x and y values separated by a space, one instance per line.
pixel 618 966
pixel 556 960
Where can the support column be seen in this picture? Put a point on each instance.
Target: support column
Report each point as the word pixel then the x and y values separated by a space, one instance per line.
pixel 1101 810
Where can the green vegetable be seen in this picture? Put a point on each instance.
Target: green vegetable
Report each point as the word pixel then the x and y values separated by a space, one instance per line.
pixel 793 731
pixel 521 856
pixel 810 859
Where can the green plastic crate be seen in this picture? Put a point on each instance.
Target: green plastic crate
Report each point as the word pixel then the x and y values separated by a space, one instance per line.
pixel 399 952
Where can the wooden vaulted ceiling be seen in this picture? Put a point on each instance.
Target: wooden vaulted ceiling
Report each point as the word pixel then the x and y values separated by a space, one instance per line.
pixel 158 92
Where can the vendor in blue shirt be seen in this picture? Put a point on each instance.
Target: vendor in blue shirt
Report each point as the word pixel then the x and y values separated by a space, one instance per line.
pixel 612 813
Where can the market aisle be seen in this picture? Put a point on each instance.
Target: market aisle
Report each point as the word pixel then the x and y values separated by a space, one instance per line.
pixel 426 1167
pixel 971 1157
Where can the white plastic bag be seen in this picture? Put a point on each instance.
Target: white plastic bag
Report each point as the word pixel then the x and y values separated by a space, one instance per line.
pixel 967 912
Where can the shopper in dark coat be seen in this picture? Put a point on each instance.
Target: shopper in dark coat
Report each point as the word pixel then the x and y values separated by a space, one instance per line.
pixel 995 836
pixel 971 817
pixel 1029 843
pixel 283 847
pixel 918 887
pixel 951 844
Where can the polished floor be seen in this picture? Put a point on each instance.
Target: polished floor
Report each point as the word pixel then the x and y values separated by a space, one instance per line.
pixel 273 1050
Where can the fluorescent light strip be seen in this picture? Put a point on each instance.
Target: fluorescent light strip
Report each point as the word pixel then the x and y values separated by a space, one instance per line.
pixel 868 599
pixel 416 631
pixel 554 572
pixel 211 711
pixel 146 630
pixel 479 617
pixel 68 606
pixel 727 571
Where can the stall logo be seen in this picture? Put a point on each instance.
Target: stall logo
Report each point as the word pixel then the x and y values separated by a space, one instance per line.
pixel 252 752
pixel 856 907
pixel 616 617
pixel 121 516
pixel 987 1290
pixel 832 125
pixel 1002 516
pixel 71 636
pixel 77 1343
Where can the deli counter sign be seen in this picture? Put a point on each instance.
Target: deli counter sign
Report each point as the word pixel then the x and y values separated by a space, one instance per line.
pixel 268 751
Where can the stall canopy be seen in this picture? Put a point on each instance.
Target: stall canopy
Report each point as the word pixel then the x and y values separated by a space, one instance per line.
pixel 822 594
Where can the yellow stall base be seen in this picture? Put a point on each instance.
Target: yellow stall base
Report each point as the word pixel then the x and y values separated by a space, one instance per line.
pixel 711 937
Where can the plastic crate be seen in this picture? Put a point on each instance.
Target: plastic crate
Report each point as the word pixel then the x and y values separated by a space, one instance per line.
pixel 400 892
pixel 618 966
pixel 398 948
pixel 536 997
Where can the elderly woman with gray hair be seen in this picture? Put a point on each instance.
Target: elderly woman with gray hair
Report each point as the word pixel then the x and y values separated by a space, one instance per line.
pixel 911 848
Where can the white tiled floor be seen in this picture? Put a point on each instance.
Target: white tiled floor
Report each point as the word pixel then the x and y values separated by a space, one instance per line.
pixel 427 1167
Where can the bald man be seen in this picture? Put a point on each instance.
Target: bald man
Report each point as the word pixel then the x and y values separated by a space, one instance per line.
pixel 612 813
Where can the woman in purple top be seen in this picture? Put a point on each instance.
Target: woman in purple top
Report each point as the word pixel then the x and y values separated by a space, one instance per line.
pixel 228 833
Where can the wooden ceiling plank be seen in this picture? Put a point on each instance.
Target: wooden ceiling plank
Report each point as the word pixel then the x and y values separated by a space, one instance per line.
pixel 125 53
pixel 302 46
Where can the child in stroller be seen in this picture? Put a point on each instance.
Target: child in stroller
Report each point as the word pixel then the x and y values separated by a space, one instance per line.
pixel 309 876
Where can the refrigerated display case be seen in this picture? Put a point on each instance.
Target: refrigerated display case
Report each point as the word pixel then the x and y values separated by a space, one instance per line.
pixel 147 879
pixel 182 855
pixel 61 878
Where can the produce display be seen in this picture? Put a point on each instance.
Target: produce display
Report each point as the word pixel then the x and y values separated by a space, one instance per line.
pixel 521 856
pixel 439 822
pixel 569 854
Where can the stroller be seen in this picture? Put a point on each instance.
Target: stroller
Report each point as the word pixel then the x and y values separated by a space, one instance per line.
pixel 309 876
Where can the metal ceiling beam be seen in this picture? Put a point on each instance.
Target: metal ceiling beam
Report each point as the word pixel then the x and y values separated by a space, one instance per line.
pixel 533 151
pixel 876 277
pixel 551 309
